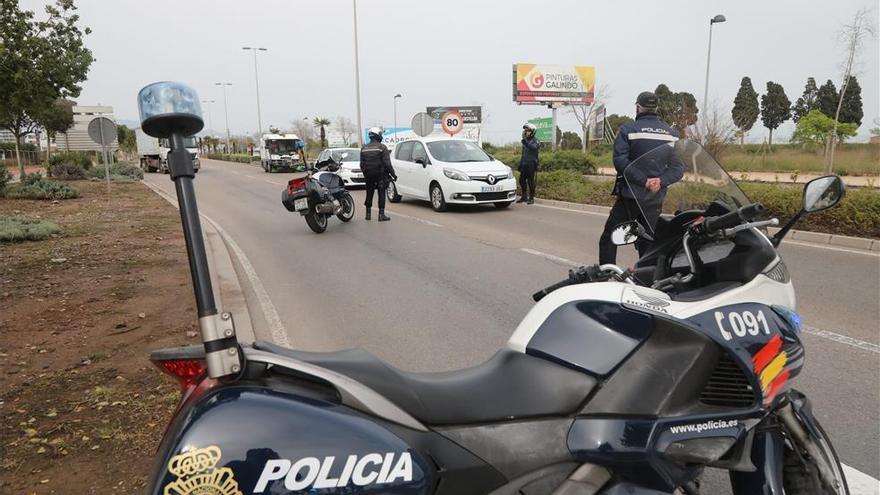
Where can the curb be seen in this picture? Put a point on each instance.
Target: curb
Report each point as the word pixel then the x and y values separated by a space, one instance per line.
pixel 845 241
pixel 224 280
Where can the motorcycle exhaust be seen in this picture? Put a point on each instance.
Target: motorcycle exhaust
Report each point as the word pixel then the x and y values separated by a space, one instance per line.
pixel 325 208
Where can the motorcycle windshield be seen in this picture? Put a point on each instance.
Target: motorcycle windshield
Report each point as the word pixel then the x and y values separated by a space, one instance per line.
pixel 677 176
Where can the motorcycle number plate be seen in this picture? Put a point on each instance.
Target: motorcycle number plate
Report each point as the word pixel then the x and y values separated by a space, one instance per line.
pixel 491 189
pixel 301 204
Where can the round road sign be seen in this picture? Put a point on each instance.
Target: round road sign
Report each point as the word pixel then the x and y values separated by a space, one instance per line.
pixel 452 123
pixel 422 124
pixel 102 130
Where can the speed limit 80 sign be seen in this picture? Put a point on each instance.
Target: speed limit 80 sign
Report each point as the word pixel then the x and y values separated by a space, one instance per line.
pixel 452 123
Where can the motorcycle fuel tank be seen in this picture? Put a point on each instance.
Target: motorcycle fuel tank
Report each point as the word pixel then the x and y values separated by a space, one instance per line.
pixel 250 440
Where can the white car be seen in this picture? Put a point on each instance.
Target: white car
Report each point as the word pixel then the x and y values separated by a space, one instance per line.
pixel 443 171
pixel 349 160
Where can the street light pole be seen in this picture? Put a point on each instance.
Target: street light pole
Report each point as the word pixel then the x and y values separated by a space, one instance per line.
pixel 225 110
pixel 712 21
pixel 357 75
pixel 257 81
pixel 398 95
pixel 208 104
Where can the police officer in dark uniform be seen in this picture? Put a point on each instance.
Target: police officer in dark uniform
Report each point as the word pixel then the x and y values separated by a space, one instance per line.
pixel 640 195
pixel 528 164
pixel 377 169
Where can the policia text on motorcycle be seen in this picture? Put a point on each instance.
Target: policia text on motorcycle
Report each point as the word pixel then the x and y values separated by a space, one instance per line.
pixel 377 169
pixel 528 164
pixel 643 185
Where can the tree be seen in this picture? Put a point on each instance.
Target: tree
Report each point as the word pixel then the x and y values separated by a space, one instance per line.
pixel 807 101
pixel 851 106
pixel 826 98
pixel 585 114
pixel 615 121
pixel 322 123
pixel 815 128
pixel 745 108
pixel 346 128
pixel 57 118
pixel 127 138
pixel 678 109
pixel 775 108
pixel 570 141
pixel 302 128
pixel 854 34
pixel 42 61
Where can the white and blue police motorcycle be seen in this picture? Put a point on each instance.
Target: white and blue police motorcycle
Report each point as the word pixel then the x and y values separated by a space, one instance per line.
pixel 618 381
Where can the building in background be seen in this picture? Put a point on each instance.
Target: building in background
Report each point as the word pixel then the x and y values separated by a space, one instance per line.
pixel 77 138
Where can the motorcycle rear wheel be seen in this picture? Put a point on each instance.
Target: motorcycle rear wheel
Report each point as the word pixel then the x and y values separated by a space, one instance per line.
pixel 317 222
pixel 800 475
pixel 347 212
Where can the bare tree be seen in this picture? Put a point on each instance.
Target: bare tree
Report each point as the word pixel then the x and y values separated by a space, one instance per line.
pixel 302 128
pixel 346 128
pixel 854 36
pixel 584 113
pixel 715 130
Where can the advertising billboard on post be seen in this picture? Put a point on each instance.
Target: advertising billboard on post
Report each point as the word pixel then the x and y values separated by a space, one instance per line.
pixel 535 84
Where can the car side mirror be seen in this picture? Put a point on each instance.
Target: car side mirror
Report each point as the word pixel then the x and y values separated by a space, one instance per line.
pixel 421 162
pixel 823 193
pixel 628 233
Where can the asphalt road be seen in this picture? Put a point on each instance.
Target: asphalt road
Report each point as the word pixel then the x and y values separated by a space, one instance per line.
pixel 432 291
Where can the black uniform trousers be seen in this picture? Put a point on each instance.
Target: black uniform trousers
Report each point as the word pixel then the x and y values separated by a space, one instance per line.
pixel 374 184
pixel 627 210
pixel 527 175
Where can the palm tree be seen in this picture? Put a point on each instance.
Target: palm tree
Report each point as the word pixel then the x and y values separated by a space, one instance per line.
pixel 321 123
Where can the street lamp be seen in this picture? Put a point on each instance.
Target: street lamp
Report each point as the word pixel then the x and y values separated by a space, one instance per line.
pixel 257 80
pixel 208 104
pixel 398 95
pixel 225 109
pixel 717 19
pixel 357 75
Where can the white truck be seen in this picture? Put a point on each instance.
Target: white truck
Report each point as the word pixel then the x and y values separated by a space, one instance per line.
pixel 153 152
pixel 282 151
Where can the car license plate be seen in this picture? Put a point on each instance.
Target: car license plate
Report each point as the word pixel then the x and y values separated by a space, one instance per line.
pixel 301 204
pixel 491 188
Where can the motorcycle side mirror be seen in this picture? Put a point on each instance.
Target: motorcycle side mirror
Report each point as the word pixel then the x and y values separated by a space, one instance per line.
pixel 823 193
pixel 625 233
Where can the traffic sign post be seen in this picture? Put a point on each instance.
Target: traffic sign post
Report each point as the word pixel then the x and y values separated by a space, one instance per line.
pixel 103 131
pixel 452 123
pixel 422 124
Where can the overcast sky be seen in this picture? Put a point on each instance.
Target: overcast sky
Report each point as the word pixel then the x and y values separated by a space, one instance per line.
pixel 457 52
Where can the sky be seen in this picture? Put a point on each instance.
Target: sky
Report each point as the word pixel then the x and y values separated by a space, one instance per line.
pixel 457 52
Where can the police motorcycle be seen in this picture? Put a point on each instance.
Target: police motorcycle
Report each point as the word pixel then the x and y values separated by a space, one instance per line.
pixel 616 382
pixel 319 195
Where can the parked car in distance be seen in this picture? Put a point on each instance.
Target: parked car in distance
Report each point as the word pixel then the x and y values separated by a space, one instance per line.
pixel 349 161
pixel 446 171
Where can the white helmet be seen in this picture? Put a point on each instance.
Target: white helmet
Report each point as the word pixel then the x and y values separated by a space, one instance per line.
pixel 375 133
pixel 528 126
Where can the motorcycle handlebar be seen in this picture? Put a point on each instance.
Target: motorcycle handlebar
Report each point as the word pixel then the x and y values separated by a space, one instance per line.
pixel 537 296
pixel 734 218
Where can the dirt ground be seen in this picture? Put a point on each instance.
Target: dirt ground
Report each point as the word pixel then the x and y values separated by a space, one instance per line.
pixel 82 409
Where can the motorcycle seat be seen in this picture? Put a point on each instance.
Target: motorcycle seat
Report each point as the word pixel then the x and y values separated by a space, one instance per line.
pixel 509 385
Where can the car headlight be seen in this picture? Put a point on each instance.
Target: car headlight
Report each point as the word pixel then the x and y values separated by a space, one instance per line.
pixel 455 174
pixel 509 173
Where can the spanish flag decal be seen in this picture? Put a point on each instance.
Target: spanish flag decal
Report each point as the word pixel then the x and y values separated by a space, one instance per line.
pixel 770 367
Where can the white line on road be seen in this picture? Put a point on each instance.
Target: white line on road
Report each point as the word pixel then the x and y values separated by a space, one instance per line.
pixel 417 219
pixel 860 483
pixel 585 212
pixel 830 248
pixel 551 257
pixel 842 339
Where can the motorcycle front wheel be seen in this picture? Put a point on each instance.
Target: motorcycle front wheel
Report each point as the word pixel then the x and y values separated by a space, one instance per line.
pixel 317 222
pixel 347 212
pixel 801 472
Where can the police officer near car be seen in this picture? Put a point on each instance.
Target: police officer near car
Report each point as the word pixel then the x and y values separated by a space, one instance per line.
pixel 378 172
pixel 641 192
pixel 528 164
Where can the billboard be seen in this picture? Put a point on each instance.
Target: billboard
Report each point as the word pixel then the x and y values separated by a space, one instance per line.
pixel 544 129
pixel 535 84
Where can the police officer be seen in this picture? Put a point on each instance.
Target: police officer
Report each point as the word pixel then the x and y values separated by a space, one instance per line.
pixel 640 195
pixel 377 169
pixel 528 164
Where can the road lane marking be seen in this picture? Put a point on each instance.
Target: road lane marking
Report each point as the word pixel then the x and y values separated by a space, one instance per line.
pixel 572 210
pixel 860 483
pixel 842 339
pixel 551 257
pixel 830 248
pixel 276 327
pixel 417 219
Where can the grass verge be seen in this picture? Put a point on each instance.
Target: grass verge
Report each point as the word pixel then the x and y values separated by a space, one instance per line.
pixel 16 229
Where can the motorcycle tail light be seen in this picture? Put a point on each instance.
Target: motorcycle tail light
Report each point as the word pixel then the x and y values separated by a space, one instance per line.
pixel 186 371
pixel 296 185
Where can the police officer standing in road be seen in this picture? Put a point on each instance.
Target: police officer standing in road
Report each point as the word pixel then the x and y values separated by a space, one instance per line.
pixel 528 164
pixel 377 169
pixel 637 201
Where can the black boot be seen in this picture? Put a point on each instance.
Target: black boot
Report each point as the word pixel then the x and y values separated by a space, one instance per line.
pixel 531 201
pixel 382 217
pixel 368 215
pixel 522 199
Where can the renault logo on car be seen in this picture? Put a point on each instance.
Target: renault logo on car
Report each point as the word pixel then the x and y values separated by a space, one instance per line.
pixel 491 179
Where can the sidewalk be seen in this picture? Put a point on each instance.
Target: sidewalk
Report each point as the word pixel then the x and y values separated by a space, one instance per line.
pixel 784 177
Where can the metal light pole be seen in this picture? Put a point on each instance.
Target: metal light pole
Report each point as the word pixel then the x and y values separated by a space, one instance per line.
pixel 225 110
pixel 712 21
pixel 357 75
pixel 208 104
pixel 398 95
pixel 257 81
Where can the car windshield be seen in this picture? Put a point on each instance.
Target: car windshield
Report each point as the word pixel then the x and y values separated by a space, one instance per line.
pixel 282 146
pixel 347 156
pixel 690 178
pixel 190 142
pixel 457 151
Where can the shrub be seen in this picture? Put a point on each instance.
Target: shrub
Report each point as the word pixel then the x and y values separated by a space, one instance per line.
pixel 5 177
pixel 15 229
pixel 120 171
pixel 561 160
pixel 35 186
pixel 234 157
pixel 69 165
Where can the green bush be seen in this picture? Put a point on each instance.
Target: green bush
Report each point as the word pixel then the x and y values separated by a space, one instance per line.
pixel 548 161
pixel 120 171
pixel 233 157
pixel 69 165
pixel 15 229
pixel 35 186
pixel 5 177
